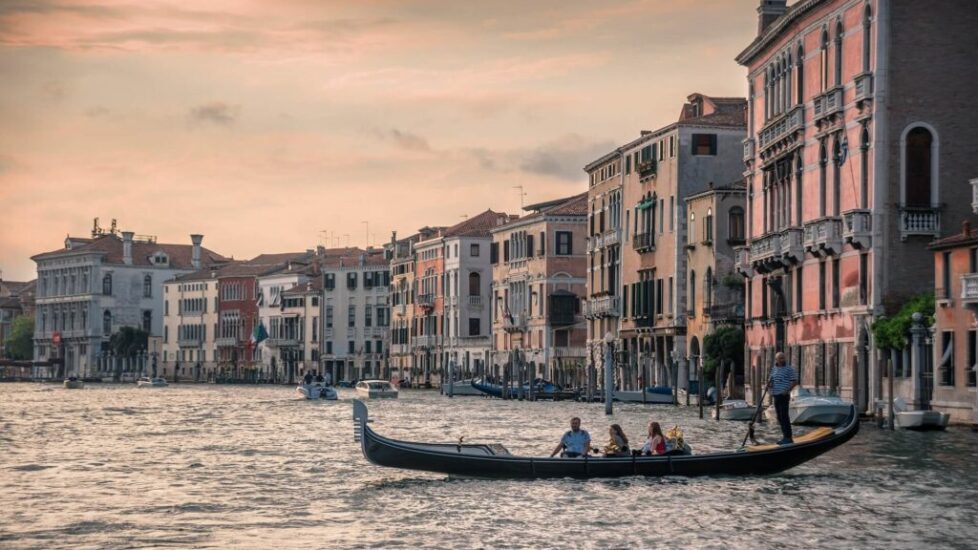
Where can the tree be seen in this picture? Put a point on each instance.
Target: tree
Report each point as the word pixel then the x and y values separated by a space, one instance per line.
pixel 725 344
pixel 20 344
pixel 891 332
pixel 128 341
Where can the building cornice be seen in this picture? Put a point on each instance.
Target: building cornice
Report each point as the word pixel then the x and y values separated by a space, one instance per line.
pixel 775 29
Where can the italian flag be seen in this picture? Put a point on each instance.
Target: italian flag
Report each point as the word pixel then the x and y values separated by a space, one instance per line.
pixel 258 334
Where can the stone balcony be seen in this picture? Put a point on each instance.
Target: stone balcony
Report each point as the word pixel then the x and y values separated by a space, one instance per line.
pixel 282 342
pixel 857 228
pixel 643 242
pixel 864 86
pixel 571 352
pixel 765 252
pixel 475 301
pixel 793 244
pixel 748 149
pixel 604 306
pixel 426 300
pixel 608 238
pixel 742 261
pixel 429 341
pixel 919 221
pixel 969 289
pixel 823 237
pixel 514 323
pixel 226 341
pixel 828 104
pixel 780 130
pixel 183 342
pixel 646 169
pixel 400 310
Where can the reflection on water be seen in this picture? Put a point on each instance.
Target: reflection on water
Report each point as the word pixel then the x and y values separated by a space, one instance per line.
pixel 218 466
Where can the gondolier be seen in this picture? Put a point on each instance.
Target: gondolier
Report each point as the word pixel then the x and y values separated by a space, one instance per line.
pixel 783 380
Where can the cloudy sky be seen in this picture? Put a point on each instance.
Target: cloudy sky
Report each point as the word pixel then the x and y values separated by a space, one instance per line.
pixel 262 124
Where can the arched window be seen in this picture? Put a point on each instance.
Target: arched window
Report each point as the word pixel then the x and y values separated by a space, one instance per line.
pixel 800 79
pixel 692 227
pixel 148 286
pixel 708 225
pixel 735 222
pixel 107 284
pixel 864 167
pixel 823 160
pixel 107 323
pixel 750 115
pixel 799 173
pixel 692 293
pixel 475 284
pixel 708 288
pixel 919 167
pixel 867 18
pixel 767 94
pixel 824 61
pixel 148 321
pixel 838 52
pixel 837 159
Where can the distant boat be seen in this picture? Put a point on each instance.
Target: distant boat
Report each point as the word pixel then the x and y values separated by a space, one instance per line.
pixel 543 389
pixel 820 407
pixel 653 394
pixel 462 387
pixel 376 389
pixel 736 409
pixel 155 382
pixel 316 391
pixel 74 383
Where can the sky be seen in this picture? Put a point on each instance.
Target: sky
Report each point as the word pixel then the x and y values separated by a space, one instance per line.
pixel 279 126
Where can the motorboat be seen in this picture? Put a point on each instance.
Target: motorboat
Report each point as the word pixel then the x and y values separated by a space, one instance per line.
pixel 653 394
pixel 74 383
pixel 820 406
pixel 155 382
pixel 462 387
pixel 922 420
pixel 376 389
pixel 692 395
pixel 735 409
pixel 541 389
pixel 495 461
pixel 316 391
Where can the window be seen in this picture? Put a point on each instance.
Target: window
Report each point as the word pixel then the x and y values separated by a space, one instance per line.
pixel 863 279
pixel 823 161
pixel 867 19
pixel 736 224
pixel 147 286
pixel 692 227
pixel 329 316
pixel 838 53
pixel 351 347
pixel 864 167
pixel 821 285
pixel 367 346
pixel 148 321
pixel 351 318
pixel 107 323
pixel 494 253
pixel 799 289
pixel 919 167
pixel 838 157
pixel 800 76
pixel 945 291
pixel 475 326
pixel 329 347
pixel 824 61
pixel 836 291
pixel 330 281
pixel 704 144
pixel 692 293
pixel 368 316
pixel 351 281
pixel 107 284
pixel 475 284
pixel 564 243
pixel 474 250
pixel 708 226
pixel 947 358
pixel 972 358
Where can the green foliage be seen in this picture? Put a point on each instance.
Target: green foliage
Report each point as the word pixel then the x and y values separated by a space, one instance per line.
pixel 128 341
pixel 891 332
pixel 20 344
pixel 726 344
pixel 732 281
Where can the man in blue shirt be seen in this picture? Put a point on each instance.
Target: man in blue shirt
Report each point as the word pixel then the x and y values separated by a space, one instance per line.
pixel 575 443
pixel 783 380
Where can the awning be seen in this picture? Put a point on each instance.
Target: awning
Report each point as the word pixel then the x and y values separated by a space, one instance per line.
pixel 644 205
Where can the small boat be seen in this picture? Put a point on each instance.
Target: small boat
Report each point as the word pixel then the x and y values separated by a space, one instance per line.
pixel 495 461
pixel 74 383
pixel 541 390
pixel 653 394
pixel 735 409
pixel 155 382
pixel 316 391
pixel 462 387
pixel 376 389
pixel 820 407
pixel 922 420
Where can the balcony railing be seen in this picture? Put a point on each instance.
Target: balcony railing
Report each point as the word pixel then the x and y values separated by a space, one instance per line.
pixel 182 342
pixel 646 168
pixel 643 242
pixel 857 228
pixel 226 341
pixel 604 306
pixel 828 103
pixel 742 261
pixel 429 341
pixel 969 288
pixel 748 149
pixel 426 300
pixel 475 301
pixel 400 310
pixel 570 352
pixel 514 323
pixel 823 236
pixel 864 86
pixel 765 249
pixel 608 238
pixel 919 221
pixel 792 244
pixel 781 127
pixel 282 342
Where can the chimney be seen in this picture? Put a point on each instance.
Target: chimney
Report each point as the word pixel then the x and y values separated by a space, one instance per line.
pixel 966 228
pixel 127 247
pixel 195 257
pixel 768 12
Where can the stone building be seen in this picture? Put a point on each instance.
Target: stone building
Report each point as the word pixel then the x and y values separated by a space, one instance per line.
pixel 539 279
pixel 403 293
pixel 859 147
pixel 190 310
pixel 13 295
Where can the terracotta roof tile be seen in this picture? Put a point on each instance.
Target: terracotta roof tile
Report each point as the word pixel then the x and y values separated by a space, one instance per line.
pixel 111 247
pixel 477 226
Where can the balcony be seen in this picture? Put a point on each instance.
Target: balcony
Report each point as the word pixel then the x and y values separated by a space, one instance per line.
pixel 608 238
pixel 857 228
pixel 742 261
pixel 374 332
pixel 765 252
pixel 828 104
pixel 974 195
pixel 514 323
pixel 282 342
pixel 646 169
pixel 919 221
pixel 780 131
pixel 793 245
pixel 969 289
pixel 400 310
pixel 570 353
pixel 226 342
pixel 472 341
pixel 864 87
pixel 475 301
pixel 426 300
pixel 643 242
pixel 184 342
pixel 823 237
pixel 748 149
pixel 604 306
pixel 427 341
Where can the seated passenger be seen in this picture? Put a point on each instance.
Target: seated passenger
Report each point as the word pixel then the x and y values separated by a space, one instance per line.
pixel 618 442
pixel 576 442
pixel 656 442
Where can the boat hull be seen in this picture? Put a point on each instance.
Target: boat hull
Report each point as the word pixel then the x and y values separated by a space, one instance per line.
pixel 376 394
pixel 74 384
pixel 655 396
pixel 494 461
pixel 922 420
pixel 316 392
pixel 462 387
pixel 736 410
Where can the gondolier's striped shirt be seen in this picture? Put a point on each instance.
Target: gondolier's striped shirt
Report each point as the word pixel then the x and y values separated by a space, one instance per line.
pixel 782 378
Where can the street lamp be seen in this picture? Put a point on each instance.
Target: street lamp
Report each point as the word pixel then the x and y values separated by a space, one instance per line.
pixel 609 375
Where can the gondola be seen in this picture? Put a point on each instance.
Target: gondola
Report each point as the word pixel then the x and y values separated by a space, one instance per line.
pixel 494 461
pixel 540 389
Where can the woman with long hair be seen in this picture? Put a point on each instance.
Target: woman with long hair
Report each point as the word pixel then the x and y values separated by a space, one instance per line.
pixel 617 443
pixel 656 442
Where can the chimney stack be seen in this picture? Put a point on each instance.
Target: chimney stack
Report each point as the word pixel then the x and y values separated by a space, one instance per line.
pixel 966 228
pixel 195 257
pixel 768 12
pixel 127 247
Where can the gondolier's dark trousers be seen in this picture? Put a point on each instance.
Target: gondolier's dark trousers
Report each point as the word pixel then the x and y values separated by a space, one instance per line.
pixel 781 407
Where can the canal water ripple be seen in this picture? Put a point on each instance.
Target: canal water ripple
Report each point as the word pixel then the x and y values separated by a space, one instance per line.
pixel 208 466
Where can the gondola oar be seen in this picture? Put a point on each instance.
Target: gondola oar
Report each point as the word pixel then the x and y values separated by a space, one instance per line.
pixel 757 412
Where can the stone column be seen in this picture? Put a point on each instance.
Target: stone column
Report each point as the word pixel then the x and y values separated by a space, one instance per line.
pixel 917 360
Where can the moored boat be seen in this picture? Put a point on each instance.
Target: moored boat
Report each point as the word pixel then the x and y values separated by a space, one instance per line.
pixel 542 390
pixel 653 394
pixel 922 420
pixel 461 387
pixel 735 409
pixel 74 383
pixel 376 389
pixel 155 382
pixel 494 460
pixel 819 407
pixel 316 391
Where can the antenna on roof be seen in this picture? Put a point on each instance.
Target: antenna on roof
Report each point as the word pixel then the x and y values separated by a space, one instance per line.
pixel 522 194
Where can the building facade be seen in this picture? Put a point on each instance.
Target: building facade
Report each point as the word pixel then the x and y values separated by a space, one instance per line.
pixel 190 313
pixel 857 155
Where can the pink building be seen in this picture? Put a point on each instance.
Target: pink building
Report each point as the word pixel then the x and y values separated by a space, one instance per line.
pixel 861 135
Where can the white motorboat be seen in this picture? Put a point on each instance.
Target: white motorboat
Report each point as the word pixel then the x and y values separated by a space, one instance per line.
pixel 461 387
pixel 316 391
pixel 155 382
pixel 376 389
pixel 922 420
pixel 73 383
pixel 657 395
pixel 736 409
pixel 820 407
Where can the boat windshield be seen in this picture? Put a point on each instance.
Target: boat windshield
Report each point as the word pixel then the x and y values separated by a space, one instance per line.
pixel 815 392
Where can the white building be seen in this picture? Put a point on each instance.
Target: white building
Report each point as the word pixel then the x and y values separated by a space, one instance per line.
pixel 190 313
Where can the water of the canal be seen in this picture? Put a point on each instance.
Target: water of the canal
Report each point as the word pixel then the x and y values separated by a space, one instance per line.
pixel 242 466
